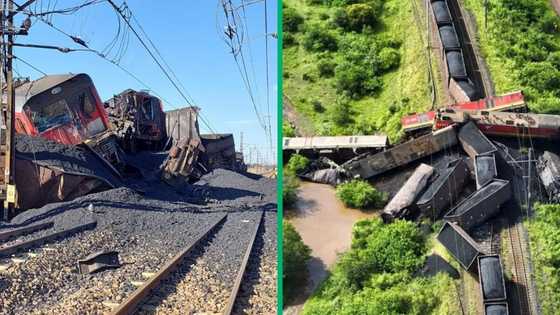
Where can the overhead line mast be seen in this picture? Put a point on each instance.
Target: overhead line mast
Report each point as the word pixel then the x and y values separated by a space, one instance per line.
pixel 8 31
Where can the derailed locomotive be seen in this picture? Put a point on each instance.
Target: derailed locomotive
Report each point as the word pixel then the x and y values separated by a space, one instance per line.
pixel 67 109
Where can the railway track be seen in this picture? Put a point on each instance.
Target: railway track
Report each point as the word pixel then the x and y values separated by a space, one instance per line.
pixel 522 299
pixel 142 299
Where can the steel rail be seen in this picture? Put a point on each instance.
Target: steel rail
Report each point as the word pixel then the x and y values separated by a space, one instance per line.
pixel 131 304
pixel 233 296
pixel 25 230
pixel 8 250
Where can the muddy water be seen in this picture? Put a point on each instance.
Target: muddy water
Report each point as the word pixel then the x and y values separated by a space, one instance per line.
pixel 325 225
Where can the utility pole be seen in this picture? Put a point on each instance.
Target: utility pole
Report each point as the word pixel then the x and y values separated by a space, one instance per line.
pixel 9 111
pixel 8 31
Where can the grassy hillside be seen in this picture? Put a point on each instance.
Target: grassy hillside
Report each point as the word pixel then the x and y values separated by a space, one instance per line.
pixel 357 79
pixel 544 232
pixel 521 46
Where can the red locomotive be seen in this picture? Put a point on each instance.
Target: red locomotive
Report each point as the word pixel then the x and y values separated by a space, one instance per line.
pixel 67 109
pixel 508 102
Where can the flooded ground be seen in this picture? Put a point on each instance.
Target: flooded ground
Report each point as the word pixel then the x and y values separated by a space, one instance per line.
pixel 325 225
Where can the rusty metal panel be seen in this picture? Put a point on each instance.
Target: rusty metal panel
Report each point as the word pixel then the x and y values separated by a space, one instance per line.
pixel 481 205
pixel 459 244
pixel 371 165
pixel 444 190
pixel 182 124
pixel 181 165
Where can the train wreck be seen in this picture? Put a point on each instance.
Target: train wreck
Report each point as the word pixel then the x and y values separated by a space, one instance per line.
pixel 78 145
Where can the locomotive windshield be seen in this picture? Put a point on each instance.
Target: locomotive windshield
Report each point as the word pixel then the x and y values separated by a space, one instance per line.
pixel 49 116
pixel 69 105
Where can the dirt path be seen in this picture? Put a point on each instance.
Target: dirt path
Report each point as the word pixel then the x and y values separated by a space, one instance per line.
pixel 325 225
pixel 556 6
pixel 304 127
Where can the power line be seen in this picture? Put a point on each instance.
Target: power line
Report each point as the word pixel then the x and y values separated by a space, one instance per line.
pixel 29 65
pixel 156 60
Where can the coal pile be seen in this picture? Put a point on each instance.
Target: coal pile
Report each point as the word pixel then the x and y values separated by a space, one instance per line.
pixel 240 189
pixel 147 222
pixel 69 159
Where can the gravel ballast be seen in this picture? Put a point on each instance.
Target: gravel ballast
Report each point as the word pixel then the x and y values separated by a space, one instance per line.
pixel 147 222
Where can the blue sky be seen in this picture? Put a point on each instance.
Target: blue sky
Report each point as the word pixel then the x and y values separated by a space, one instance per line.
pixel 186 33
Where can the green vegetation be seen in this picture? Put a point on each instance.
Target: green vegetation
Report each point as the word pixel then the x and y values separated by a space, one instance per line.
pixel 290 184
pixel 360 194
pixel 296 256
pixel 522 48
pixel 544 231
pixel 288 130
pixel 363 61
pixel 376 276
pixel 297 164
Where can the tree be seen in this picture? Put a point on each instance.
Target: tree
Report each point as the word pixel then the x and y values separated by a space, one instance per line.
pixel 291 20
pixel 296 257
pixel 318 39
pixel 297 164
pixel 360 194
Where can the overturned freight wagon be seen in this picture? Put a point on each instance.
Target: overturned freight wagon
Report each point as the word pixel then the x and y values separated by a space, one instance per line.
pixel 402 205
pixel 220 152
pixel 480 205
pixel 138 120
pixel 459 244
pixel 186 147
pixel 339 148
pixel 444 190
pixel 371 165
pixel 548 168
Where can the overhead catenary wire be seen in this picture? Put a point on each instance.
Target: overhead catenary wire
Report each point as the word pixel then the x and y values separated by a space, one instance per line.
pixel 159 64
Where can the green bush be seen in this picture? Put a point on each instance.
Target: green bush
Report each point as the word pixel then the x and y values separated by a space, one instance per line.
pixel 290 186
pixel 340 18
pixel 288 40
pixel 318 39
pixel 291 20
pixel 296 256
pixel 360 15
pixel 288 130
pixel 318 106
pixel 326 68
pixel 360 194
pixel 376 276
pixel 356 81
pixel 340 112
pixel 297 164
pixel 389 58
